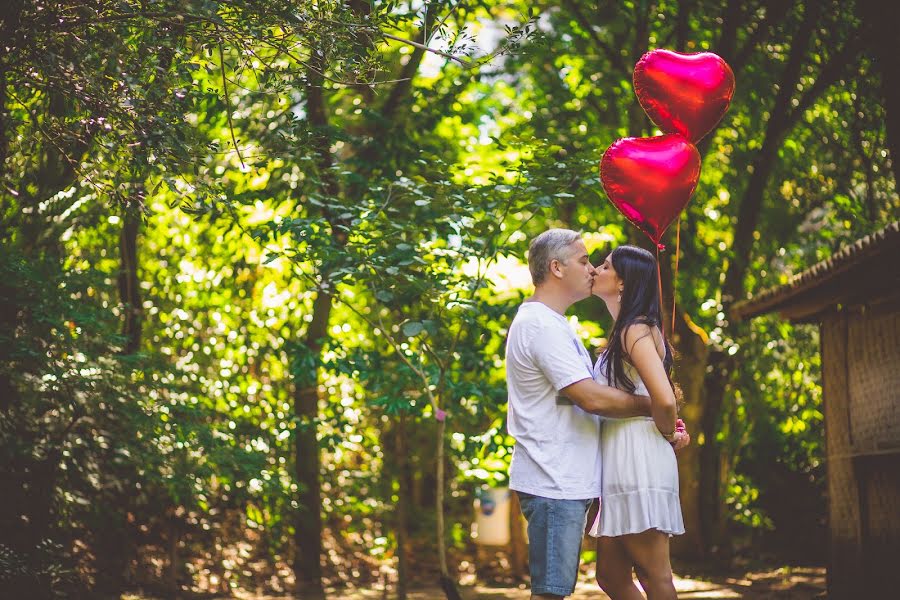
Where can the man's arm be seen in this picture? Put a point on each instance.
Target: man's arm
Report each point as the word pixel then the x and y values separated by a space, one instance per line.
pixel 607 401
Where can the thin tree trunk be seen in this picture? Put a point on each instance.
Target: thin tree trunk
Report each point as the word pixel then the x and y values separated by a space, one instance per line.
pixel 638 122
pixel 129 284
pixel 517 542
pixel 9 312
pixel 10 13
pixel 38 232
pixel 692 342
pixel 727 44
pixel 448 583
pixel 400 93
pixel 637 119
pixel 308 531
pixel 403 492
pixel 882 20
pixel 683 24
pixel 4 117
pixel 171 580
pixel 386 121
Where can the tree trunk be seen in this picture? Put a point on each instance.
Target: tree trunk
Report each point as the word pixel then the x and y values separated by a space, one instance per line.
pixel 638 121
pixel 776 128
pixel 689 368
pixel 171 577
pixel 10 12
pixel 718 371
pixel 403 493
pixel 691 356
pixel 517 542
pixel 129 284
pixel 737 58
pixel 882 19
pixel 683 24
pixel 9 313
pixel 727 44
pixel 27 519
pixel 308 531
pixel 38 232
pixel 4 118
pixel 448 582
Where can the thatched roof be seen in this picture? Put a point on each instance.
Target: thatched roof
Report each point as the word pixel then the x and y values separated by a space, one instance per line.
pixel 864 272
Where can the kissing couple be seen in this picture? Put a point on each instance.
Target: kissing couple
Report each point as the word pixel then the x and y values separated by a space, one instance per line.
pixel 586 431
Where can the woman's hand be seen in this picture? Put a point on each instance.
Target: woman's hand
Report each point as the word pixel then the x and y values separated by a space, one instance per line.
pixel 680 440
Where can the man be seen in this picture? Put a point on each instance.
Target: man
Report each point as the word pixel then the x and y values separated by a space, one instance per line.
pixel 553 407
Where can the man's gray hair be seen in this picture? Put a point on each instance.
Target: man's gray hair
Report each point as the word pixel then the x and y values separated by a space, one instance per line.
pixel 551 245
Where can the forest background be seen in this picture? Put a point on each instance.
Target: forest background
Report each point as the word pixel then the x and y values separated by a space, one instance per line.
pixel 259 258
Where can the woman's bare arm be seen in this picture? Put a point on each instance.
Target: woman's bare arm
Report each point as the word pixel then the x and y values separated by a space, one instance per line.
pixel 642 350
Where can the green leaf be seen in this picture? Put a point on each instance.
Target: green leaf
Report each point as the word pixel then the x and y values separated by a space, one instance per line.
pixel 412 328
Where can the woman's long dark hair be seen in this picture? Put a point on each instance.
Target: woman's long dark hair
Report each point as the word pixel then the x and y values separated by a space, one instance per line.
pixel 636 268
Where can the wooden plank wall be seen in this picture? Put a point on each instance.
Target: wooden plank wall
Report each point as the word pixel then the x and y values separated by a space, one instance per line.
pixel 861 389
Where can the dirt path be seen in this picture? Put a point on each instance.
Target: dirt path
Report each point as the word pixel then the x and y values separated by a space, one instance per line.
pixel 803 584
pixel 787 583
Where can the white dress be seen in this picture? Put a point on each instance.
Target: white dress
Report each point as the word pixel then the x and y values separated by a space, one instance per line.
pixel 640 473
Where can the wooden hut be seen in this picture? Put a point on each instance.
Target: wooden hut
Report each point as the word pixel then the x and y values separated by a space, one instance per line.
pixel 854 296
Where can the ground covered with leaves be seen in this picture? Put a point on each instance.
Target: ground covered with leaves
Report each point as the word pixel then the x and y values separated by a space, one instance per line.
pixel 798 583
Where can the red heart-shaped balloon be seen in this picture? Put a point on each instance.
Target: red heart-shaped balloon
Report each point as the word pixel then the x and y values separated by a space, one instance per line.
pixel 684 93
pixel 650 180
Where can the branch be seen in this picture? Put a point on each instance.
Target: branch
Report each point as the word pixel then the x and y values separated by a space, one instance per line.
pixel 426 383
pixel 775 12
pixel 828 76
pixel 440 24
pixel 743 55
pixel 228 104
pixel 72 163
pixel 482 274
pixel 176 16
pixel 776 129
pixel 217 23
pixel 465 64
pixel 614 57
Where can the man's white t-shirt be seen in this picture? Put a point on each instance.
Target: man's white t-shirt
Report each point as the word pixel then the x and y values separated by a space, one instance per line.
pixel 557 451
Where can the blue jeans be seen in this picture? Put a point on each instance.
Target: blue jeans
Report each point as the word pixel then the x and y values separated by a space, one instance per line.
pixel 555 531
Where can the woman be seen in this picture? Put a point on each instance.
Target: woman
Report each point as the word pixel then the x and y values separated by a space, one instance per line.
pixel 640 507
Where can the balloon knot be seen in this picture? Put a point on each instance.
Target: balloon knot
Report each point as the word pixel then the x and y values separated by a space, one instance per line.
pixel 661 247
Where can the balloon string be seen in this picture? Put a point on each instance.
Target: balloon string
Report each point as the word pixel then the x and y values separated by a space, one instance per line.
pixel 659 283
pixel 675 275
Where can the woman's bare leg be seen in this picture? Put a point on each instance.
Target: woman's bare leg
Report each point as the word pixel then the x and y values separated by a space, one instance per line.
pixel 614 570
pixel 649 551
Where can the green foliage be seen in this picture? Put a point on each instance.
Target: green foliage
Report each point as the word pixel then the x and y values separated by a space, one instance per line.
pixel 276 157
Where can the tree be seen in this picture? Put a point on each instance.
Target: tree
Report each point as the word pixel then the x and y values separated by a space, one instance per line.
pixel 254 250
pixel 585 101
